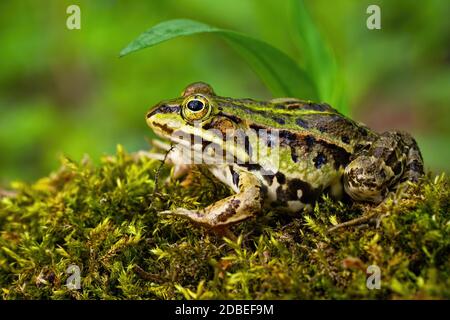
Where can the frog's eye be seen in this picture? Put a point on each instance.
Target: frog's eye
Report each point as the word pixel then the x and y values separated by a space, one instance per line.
pixel 196 107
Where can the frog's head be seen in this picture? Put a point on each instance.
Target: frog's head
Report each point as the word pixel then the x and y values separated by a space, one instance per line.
pixel 197 113
pixel 194 106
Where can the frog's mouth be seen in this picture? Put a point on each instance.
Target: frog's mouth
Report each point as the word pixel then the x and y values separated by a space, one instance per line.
pixel 164 118
pixel 163 124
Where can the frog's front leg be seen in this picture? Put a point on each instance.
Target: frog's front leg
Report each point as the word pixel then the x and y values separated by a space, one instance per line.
pixel 240 206
pixel 171 155
pixel 394 157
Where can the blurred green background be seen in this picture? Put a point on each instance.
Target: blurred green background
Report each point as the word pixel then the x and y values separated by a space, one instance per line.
pixel 67 92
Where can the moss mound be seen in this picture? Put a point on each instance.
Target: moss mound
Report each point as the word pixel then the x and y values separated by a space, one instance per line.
pixel 104 220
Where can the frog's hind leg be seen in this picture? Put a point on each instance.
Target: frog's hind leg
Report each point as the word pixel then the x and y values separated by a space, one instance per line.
pixel 390 161
pixel 413 170
pixel 371 174
pixel 240 206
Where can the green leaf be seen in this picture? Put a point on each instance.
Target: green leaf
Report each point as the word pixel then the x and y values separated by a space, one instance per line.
pixel 277 70
pixel 320 62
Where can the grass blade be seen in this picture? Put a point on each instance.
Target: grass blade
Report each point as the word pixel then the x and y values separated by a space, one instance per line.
pixel 278 71
pixel 320 62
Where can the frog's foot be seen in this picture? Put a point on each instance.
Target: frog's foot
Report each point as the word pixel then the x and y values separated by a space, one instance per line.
pixel 172 156
pixel 149 155
pixel 356 222
pixel 378 212
pixel 158 144
pixel 199 217
pixel 246 203
pixel 7 193
pixel 194 215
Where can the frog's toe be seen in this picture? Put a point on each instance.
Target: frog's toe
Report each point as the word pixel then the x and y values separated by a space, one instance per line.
pixel 170 212
pixel 180 171
pixel 166 213
pixel 160 144
pixel 150 155
pixel 191 214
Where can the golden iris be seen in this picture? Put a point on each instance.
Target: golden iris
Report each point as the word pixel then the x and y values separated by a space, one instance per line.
pixel 195 107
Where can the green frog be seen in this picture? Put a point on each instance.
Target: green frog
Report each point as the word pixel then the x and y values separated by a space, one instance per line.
pixel 309 148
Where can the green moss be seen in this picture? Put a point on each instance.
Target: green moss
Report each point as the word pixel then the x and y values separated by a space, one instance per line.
pixel 104 219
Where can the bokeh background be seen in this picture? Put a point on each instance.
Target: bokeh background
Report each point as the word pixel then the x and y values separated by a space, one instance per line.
pixel 67 92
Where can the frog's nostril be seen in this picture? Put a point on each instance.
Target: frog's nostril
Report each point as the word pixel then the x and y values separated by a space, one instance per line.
pixel 164 108
pixel 154 111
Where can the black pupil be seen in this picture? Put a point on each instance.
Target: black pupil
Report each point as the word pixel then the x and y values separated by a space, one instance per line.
pixel 195 105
